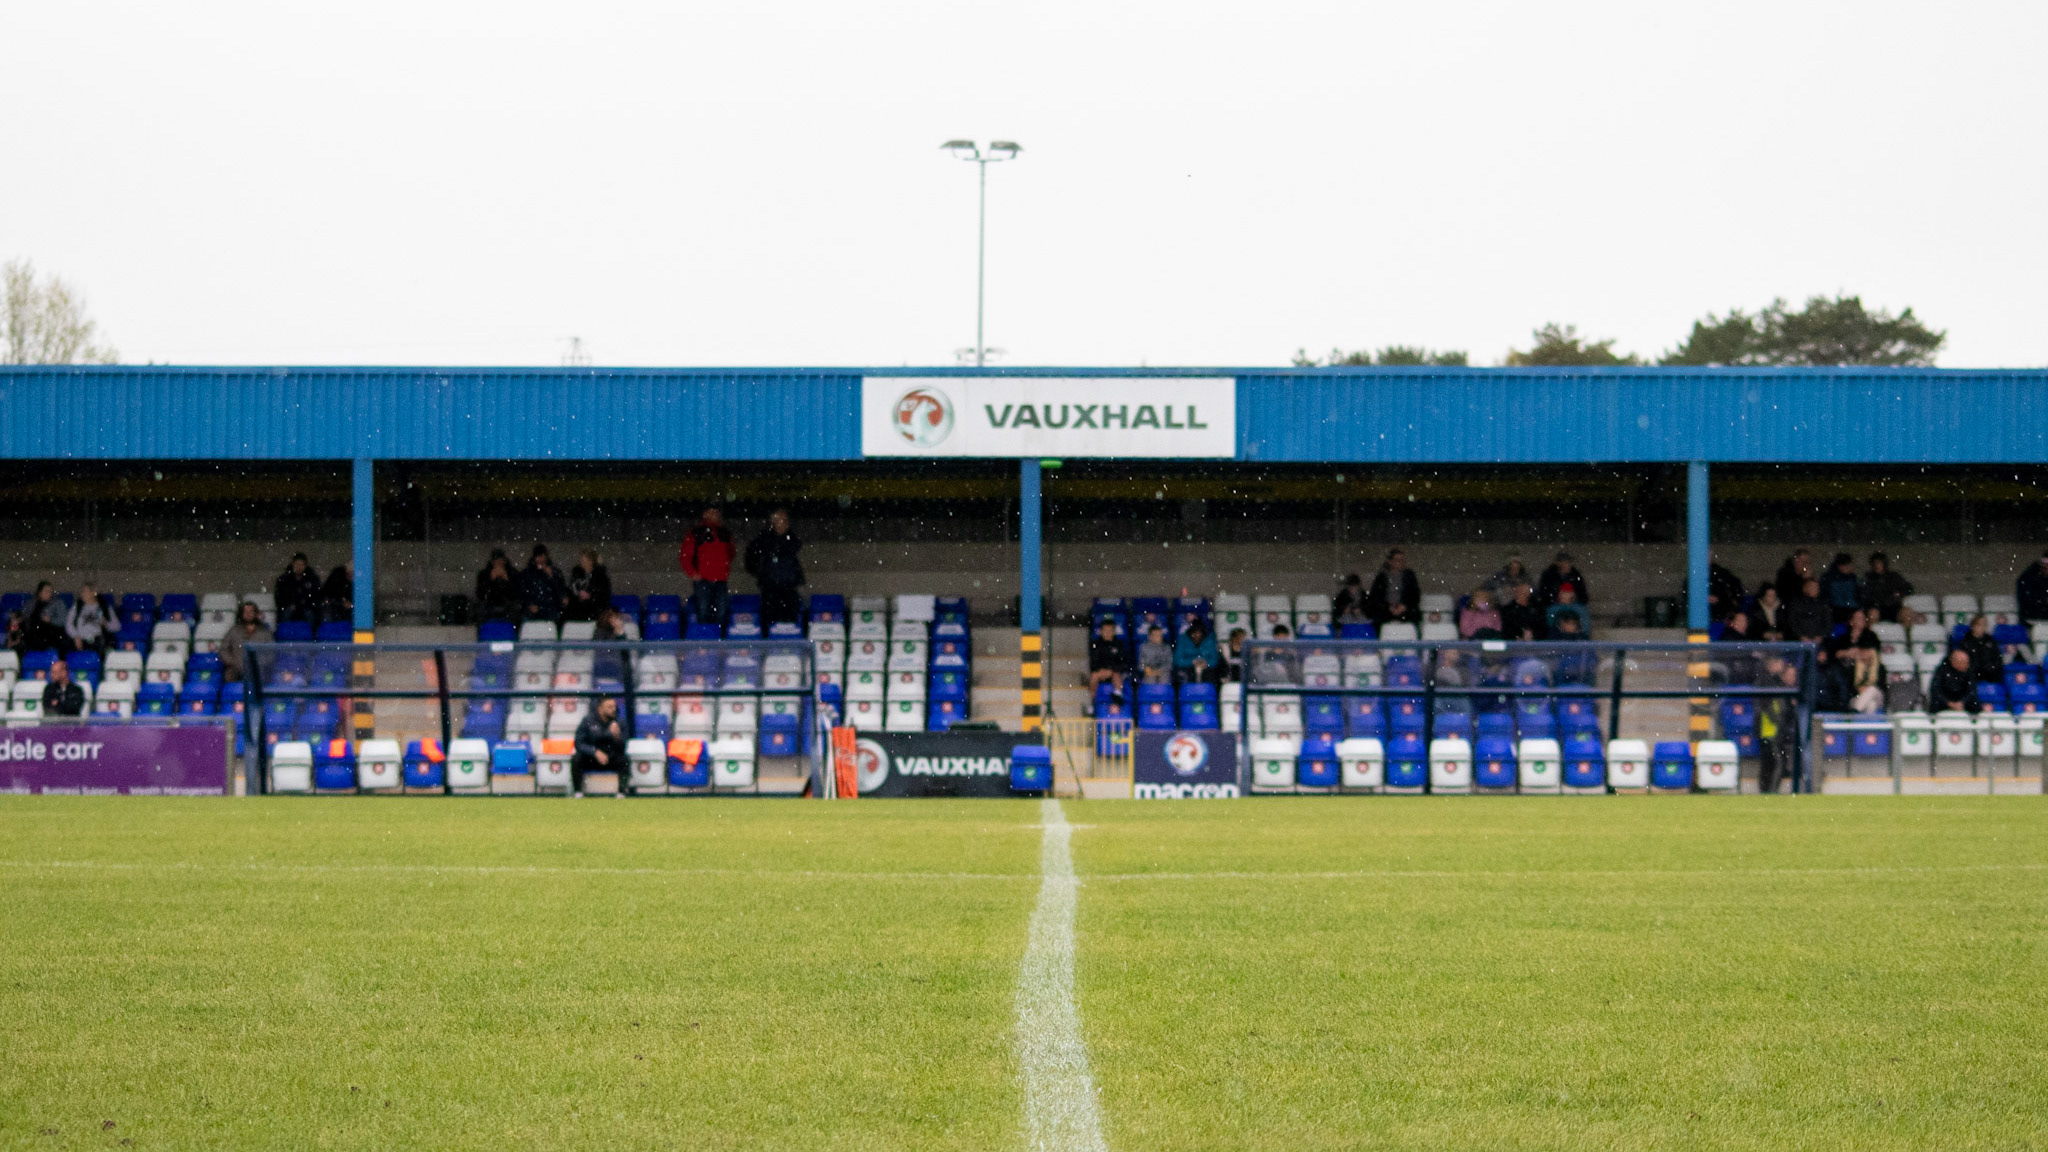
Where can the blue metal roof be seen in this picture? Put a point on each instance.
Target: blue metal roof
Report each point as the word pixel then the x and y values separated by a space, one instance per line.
pixel 1365 415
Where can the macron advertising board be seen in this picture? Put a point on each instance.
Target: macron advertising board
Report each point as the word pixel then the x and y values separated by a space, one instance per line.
pixel 115 760
pixel 1168 417
pixel 1184 766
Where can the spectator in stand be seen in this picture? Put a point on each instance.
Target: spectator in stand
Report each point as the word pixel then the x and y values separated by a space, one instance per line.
pixel 1831 682
pixel 1793 575
pixel 1954 688
pixel 497 589
pixel 1567 608
pixel 1108 659
pixel 590 588
pixel 1856 635
pixel 1561 575
pixel 1724 591
pixel 1502 583
pixel 2032 591
pixel 1840 589
pixel 1768 621
pixel 611 624
pixel 772 562
pixel 541 590
pixel 1350 604
pixel 1521 618
pixel 298 592
pixel 247 629
pixel 1908 618
pixel 1987 660
pixel 1395 593
pixel 17 632
pixel 1479 619
pixel 338 595
pixel 1195 659
pixel 1808 617
pixel 1155 657
pixel 1276 664
pixel 1572 667
pixel 1776 737
pixel 43 627
pixel 91 625
pixel 1233 656
pixel 1855 655
pixel 1884 591
pixel 706 559
pixel 600 743
pixel 62 696
pixel 1735 630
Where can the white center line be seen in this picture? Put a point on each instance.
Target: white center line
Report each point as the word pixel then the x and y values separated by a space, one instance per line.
pixel 1060 1113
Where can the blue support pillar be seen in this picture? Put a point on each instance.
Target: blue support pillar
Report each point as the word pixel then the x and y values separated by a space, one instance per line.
pixel 1698 545
pixel 1030 513
pixel 365 513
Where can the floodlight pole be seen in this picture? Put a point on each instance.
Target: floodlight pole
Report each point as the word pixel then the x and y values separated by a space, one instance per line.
pixel 996 152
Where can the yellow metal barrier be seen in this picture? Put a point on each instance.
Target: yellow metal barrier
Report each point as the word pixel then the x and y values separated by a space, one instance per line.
pixel 1094 754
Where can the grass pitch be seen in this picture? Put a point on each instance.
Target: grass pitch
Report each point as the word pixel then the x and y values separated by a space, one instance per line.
pixel 1753 972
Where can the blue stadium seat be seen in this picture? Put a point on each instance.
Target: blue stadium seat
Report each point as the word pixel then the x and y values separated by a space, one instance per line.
pixel 1991 696
pixel 1199 715
pixel 1457 724
pixel 940 715
pixel 1156 714
pixel 704 632
pixel 627 605
pixel 2027 699
pixel 951 652
pixel 950 608
pixel 2010 635
pixel 335 631
pixel 1585 765
pixel 1363 717
pixel 778 735
pixel 424 762
pixel 1403 672
pixel 684 773
pixel 1316 766
pixel 1323 715
pixel 334 765
pixel 511 758
pixel 1147 611
pixel 493 632
pixel 1496 725
pixel 1405 713
pixel 136 607
pixel 2019 674
pixel 132 638
pixel 1872 743
pixel 1106 606
pixel 1671 765
pixel 1358 631
pixel 666 609
pixel 179 606
pixel 155 700
pixel 1493 764
pixel 294 632
pixel 1407 761
pixel 946 684
pixel 1536 726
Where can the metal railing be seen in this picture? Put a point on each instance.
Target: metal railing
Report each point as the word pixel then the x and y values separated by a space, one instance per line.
pixel 2023 740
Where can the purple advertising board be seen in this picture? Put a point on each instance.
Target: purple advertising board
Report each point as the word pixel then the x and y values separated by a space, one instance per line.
pixel 115 760
pixel 1184 766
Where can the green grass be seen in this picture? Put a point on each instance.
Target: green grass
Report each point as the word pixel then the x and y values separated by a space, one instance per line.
pixel 1306 973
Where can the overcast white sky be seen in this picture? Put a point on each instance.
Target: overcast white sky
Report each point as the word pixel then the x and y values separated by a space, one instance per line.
pixel 1203 183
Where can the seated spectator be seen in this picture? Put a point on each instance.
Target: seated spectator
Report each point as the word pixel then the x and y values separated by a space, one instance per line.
pixel 91 625
pixel 1155 657
pixel 1808 617
pixel 1349 607
pixel 1502 583
pixel 1108 659
pixel 1909 617
pixel 600 743
pixel 1521 618
pixel 338 595
pixel 1559 576
pixel 62 696
pixel 1479 620
pixel 541 590
pixel 1568 608
pixel 298 592
pixel 43 626
pixel 1735 630
pixel 1831 682
pixel 1395 593
pixel 1884 591
pixel 1840 589
pixel 247 629
pixel 1954 688
pixel 1766 622
pixel 1276 663
pixel 1724 591
pixel 1572 667
pixel 1195 659
pixel 1866 680
pixel 590 588
pixel 1793 575
pixel 17 632
pixel 1987 660
pixel 1233 656
pixel 497 589
pixel 1857 635
pixel 611 624
pixel 2032 591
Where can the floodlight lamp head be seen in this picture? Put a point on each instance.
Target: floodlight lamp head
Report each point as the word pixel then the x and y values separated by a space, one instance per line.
pixel 1004 149
pixel 961 149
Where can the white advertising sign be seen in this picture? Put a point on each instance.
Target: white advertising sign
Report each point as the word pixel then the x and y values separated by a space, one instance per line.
pixel 1023 416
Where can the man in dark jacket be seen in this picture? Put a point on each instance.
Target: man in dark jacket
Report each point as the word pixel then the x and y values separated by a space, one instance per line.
pixel 772 562
pixel 600 742
pixel 2032 591
pixel 1840 589
pixel 497 589
pixel 298 592
pixel 1807 618
pixel 62 696
pixel 541 588
pixel 1884 590
pixel 1395 593
pixel 1954 688
pixel 1793 575
pixel 1108 659
pixel 589 588
pixel 338 595
pixel 1559 574
pixel 706 558
pixel 1724 592
pixel 1521 618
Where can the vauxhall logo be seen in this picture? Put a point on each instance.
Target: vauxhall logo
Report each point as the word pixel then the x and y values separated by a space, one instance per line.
pixel 1085 416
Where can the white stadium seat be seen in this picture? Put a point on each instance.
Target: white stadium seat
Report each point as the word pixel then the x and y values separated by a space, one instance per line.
pixel 1312 608
pixel 920 606
pixel 217 608
pixel 732 763
pixel 1400 630
pixel 291 766
pixel 468 767
pixel 1450 765
pixel 1273 760
pixel 1362 763
pixel 579 630
pixel 1270 613
pixel 538 631
pixel 903 715
pixel 737 714
pixel 695 714
pixel 1717 766
pixel 1628 764
pixel 1958 608
pixel 377 765
pixel 1539 766
pixel 646 765
pixel 1925 605
pixel 1232 610
pixel 1438 631
pixel 1439 608
pixel 2003 608
pixel 828 630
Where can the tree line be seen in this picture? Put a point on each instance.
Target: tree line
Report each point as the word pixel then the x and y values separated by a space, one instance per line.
pixel 1825 333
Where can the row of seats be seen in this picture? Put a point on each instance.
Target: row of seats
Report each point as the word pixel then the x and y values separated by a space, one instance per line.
pixel 1453 764
pixel 1918 735
pixel 480 767
pixel 906 670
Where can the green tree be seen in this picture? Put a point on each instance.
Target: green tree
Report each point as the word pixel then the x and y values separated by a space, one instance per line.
pixel 45 323
pixel 1826 333
pixel 1392 356
pixel 1559 346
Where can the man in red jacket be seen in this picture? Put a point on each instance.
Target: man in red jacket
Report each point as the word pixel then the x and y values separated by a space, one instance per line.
pixel 707 560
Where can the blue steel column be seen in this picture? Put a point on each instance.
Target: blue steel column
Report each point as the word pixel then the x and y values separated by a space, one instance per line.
pixel 1698 547
pixel 365 513
pixel 1030 510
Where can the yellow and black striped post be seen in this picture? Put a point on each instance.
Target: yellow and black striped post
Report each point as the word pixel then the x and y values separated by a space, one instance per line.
pixel 1033 669
pixel 364 675
pixel 1701 673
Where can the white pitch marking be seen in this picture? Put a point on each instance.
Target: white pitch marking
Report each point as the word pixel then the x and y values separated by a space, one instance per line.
pixel 1060 1113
